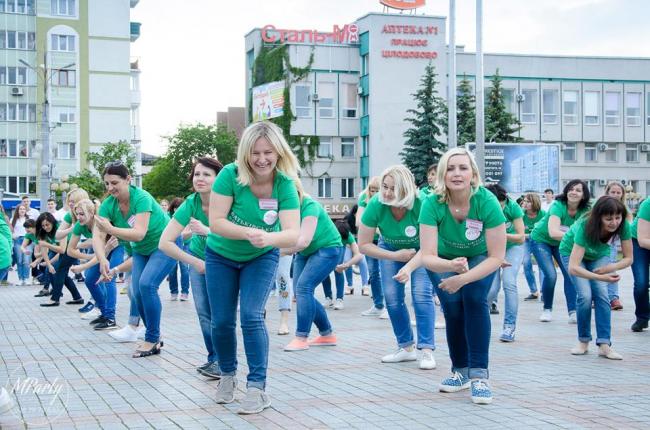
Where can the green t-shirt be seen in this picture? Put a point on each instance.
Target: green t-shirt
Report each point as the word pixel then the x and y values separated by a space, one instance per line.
pixel 466 238
pixel 140 201
pixel 512 211
pixel 249 211
pixel 559 209
pixel 192 207
pixel 529 223
pixel 326 234
pixel 643 213
pixel 593 251
pixel 350 240
pixel 5 244
pixel 32 239
pixel 402 234
pixel 82 230
pixel 363 201
pixel 68 218
pixel 425 192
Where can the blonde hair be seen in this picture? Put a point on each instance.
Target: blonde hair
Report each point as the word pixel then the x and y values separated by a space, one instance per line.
pixel 300 189
pixel 87 206
pixel 78 194
pixel 405 188
pixel 287 161
pixel 374 181
pixel 441 187
pixel 616 184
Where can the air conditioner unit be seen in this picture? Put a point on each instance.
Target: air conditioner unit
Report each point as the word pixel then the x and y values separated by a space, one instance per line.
pixel 645 147
pixel 16 91
pixel 359 89
pixel 602 147
pixel 314 97
pixel 520 98
pixel 602 182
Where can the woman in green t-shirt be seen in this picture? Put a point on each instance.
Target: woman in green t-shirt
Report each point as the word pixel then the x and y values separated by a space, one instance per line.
pixel 545 244
pixel 132 215
pixel 191 221
pixel 617 190
pixel 67 223
pixel 395 211
pixel 254 210
pixel 532 206
pixel 585 250
pixel 463 238
pixel 641 247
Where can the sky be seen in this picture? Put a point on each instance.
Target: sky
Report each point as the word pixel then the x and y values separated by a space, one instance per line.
pixel 193 61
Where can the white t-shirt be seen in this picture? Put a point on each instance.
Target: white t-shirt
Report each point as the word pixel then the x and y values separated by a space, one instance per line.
pixel 33 213
pixel 19 230
pixel 546 205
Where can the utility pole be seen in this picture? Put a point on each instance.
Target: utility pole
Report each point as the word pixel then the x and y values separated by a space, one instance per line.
pixel 480 124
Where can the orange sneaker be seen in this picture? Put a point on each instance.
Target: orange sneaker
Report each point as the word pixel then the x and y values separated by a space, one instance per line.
pixel 329 340
pixel 298 344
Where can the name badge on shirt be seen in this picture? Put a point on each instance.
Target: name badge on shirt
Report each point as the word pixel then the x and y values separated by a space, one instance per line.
pixel 269 204
pixel 473 229
pixel 131 221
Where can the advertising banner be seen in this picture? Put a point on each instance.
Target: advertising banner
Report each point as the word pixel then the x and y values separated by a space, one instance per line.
pixel 522 167
pixel 268 100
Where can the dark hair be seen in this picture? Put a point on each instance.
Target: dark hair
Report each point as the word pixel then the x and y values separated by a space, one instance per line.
pixel 344 230
pixel 174 204
pixel 547 190
pixel 209 162
pixel 586 195
pixel 51 200
pixel 14 216
pixel 499 191
pixel 351 219
pixel 40 232
pixel 116 168
pixel 605 205
pixel 24 196
pixel 520 199
pixel 29 223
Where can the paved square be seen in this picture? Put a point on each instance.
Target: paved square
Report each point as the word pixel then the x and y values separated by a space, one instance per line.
pixel 536 382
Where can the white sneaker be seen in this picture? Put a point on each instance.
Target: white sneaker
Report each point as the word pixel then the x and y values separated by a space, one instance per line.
pixel 339 305
pixel 546 316
pixel 400 355
pixel 572 318
pixel 372 312
pixel 427 362
pixel 329 302
pixel 384 314
pixel 125 334
pixel 91 315
pixel 5 401
pixel 141 332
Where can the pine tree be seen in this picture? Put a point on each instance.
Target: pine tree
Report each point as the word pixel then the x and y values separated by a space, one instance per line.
pixel 466 114
pixel 423 145
pixel 500 125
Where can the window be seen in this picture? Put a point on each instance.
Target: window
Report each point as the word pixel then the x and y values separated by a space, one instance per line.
pixel 18 184
pixel 17 6
pixel 364 65
pixel 569 152
pixel 590 153
pixel 326 100
pixel 17 40
pixel 16 76
pixel 610 153
pixel 591 185
pixel 509 99
pixel 647 109
pixel 62 42
pixel 325 147
pixel 647 188
pixel 529 107
pixel 634 184
pixel 65 151
pixel 347 147
pixel 16 148
pixel 591 107
pixel 549 106
pixel 21 112
pixel 633 109
pixel 63 7
pixel 66 78
pixel 349 109
pixel 3 148
pixel 303 107
pixel 632 152
pixel 325 188
pixel 612 108
pixel 66 114
pixel 347 188
pixel 570 106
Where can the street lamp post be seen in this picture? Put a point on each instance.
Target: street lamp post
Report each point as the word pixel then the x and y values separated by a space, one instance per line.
pixel 46 165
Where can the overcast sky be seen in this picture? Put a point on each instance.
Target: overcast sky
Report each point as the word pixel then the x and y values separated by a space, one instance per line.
pixel 192 51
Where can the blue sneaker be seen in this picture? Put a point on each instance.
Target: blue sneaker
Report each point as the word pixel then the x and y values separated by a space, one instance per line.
pixel 87 307
pixel 481 393
pixel 454 383
pixel 508 334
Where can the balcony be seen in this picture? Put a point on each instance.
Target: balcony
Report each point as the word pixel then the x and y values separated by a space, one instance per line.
pixel 135 31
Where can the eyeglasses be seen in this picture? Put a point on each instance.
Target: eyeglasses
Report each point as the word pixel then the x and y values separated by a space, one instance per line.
pixel 116 163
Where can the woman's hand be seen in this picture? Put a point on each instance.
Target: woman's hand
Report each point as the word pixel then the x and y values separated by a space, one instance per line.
pixel 200 267
pixel 610 278
pixel 197 227
pixel 604 269
pixel 452 284
pixel 103 224
pixel 51 269
pixel 403 275
pixel 404 255
pixel 459 265
pixel 76 268
pixel 111 244
pixel 107 277
pixel 505 264
pixel 258 238
pixel 104 267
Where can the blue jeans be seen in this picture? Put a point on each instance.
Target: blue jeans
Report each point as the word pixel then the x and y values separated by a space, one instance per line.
pixel 641 284
pixel 467 315
pixel 338 279
pixel 185 277
pixel 376 290
pixel 105 293
pixel 134 313
pixel 203 311
pixel 60 278
pixel 250 282
pixel 588 290
pixel 363 269
pixel 529 272
pixel 514 255
pixel 22 260
pixel 545 254
pixel 308 272
pixel 284 283
pixel 612 287
pixel 146 276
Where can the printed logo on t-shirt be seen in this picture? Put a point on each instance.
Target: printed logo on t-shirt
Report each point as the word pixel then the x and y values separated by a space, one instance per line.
pixel 270 217
pixel 410 231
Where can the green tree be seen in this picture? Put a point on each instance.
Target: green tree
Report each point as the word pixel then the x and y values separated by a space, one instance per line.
pixel 423 145
pixel 191 142
pixel 165 180
pixel 500 125
pixel 466 116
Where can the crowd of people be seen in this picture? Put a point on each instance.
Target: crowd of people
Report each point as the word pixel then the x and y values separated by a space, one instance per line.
pixel 249 228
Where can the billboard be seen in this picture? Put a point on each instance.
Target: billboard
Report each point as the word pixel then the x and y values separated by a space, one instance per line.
pixel 522 167
pixel 267 101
